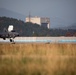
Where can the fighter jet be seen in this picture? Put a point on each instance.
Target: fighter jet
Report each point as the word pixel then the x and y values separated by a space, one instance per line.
pixel 9 33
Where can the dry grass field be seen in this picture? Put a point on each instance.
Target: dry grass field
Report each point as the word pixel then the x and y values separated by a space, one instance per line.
pixel 38 59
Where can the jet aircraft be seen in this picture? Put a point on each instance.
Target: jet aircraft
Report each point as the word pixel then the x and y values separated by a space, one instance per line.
pixel 10 34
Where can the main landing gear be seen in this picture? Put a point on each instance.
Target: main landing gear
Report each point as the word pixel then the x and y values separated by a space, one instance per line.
pixel 12 40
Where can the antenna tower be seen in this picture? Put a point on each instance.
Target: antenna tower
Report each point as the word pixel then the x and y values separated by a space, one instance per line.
pixel 29 17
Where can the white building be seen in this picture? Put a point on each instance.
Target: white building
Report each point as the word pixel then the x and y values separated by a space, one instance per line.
pixel 45 22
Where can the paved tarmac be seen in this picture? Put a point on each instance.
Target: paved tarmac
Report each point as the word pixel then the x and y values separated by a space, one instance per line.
pixel 41 40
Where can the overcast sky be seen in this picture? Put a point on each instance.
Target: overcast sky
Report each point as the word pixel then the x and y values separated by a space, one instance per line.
pixel 61 12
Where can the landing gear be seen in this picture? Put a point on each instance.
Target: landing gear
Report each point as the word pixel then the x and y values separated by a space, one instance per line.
pixel 4 38
pixel 12 40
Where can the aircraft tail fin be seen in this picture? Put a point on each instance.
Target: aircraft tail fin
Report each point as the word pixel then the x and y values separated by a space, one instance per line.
pixel 10 28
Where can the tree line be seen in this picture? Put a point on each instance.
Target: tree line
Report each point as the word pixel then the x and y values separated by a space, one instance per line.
pixel 30 29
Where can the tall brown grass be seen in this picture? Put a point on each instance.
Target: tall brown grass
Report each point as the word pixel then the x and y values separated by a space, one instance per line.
pixel 38 59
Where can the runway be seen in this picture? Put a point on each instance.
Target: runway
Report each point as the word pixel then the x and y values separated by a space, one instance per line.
pixel 42 40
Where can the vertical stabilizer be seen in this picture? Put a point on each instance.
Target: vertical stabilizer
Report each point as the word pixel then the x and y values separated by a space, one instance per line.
pixel 10 28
